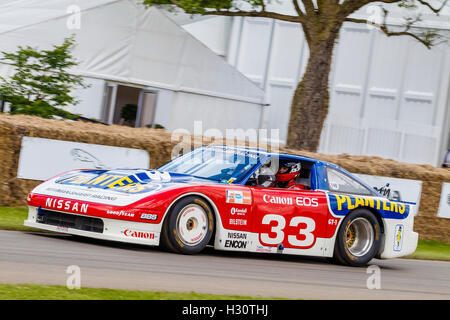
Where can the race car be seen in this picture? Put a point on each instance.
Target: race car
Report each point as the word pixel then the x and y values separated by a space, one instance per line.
pixel 232 198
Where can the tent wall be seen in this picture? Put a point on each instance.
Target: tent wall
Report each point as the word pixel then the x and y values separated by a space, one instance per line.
pixel 90 100
pixel 215 113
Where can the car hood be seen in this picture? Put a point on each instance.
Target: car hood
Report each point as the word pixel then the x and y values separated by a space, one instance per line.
pixel 114 187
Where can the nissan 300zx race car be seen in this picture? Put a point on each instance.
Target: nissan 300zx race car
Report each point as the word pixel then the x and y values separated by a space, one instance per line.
pixel 218 195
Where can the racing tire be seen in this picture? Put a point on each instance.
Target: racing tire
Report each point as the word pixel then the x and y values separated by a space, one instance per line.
pixel 188 227
pixel 358 239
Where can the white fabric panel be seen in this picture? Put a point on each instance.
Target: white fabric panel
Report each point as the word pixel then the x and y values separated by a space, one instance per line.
pixel 164 102
pixel 217 40
pixel 345 139
pixel 383 92
pixel 350 72
pixel 383 143
pixel 24 13
pixel 279 109
pixel 285 63
pixel 233 114
pixel 254 46
pixel 90 99
pixel 421 83
pixel 427 147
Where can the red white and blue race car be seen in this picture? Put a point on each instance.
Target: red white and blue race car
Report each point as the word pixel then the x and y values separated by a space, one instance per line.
pixel 233 198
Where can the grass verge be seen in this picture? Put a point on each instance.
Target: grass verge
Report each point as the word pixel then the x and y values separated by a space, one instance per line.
pixel 431 250
pixel 40 292
pixel 12 219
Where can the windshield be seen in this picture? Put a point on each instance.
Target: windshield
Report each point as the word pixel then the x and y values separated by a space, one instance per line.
pixel 221 164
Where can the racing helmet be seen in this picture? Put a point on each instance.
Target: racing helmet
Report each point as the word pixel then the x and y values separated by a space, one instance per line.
pixel 266 177
pixel 288 171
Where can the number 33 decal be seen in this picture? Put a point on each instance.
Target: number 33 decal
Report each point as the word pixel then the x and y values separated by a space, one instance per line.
pixel 292 239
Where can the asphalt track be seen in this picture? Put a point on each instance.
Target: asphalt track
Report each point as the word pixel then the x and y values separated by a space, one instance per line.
pixel 38 258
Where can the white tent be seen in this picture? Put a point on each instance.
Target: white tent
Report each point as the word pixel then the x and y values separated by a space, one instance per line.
pixel 122 42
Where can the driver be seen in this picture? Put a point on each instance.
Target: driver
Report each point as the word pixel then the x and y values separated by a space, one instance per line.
pixel 286 176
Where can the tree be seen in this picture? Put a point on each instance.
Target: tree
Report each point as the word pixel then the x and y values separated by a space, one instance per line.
pixel 41 84
pixel 321 21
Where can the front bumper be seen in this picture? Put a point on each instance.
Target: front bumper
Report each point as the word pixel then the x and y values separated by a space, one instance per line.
pixel 113 229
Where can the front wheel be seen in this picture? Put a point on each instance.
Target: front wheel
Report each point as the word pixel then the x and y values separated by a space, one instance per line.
pixel 189 226
pixel 358 239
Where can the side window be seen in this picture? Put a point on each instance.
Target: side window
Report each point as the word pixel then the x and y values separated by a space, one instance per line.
pixel 264 176
pixel 340 182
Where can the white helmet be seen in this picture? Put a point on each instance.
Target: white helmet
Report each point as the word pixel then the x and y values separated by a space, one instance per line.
pixel 266 177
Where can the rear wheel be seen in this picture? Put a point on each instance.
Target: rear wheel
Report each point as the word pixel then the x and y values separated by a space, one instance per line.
pixel 189 226
pixel 358 239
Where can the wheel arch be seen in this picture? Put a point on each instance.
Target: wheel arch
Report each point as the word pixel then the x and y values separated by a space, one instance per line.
pixel 377 215
pixel 379 218
pixel 207 199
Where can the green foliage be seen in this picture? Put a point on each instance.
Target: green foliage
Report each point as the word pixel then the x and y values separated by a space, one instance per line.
pixel 128 112
pixel 40 292
pixel 199 6
pixel 408 4
pixel 41 84
pixel 156 126
pixel 37 108
pixel 159 126
pixel 432 250
pixel 12 219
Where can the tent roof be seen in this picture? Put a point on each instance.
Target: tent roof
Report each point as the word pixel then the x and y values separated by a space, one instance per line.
pixel 121 40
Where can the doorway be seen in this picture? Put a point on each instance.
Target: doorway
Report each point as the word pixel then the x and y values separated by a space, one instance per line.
pixel 129 106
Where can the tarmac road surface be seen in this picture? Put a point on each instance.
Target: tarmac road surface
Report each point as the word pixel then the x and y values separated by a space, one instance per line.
pixel 39 258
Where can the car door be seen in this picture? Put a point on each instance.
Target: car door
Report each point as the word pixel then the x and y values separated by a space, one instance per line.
pixel 293 219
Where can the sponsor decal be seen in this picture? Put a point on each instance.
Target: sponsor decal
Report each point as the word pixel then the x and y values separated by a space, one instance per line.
pixel 333 222
pixel 229 181
pixel 240 197
pixel 197 237
pixel 120 213
pixel 299 201
pixel 67 205
pixel 74 193
pixel 130 233
pixel 84 156
pixel 155 176
pixel 62 229
pixel 115 181
pixel 149 216
pixel 277 200
pixel 307 202
pixel 343 204
pixel 236 240
pixel 238 211
pixel 263 249
pixel 236 235
pixel 238 222
pixel 236 244
pixel 444 202
pixel 398 237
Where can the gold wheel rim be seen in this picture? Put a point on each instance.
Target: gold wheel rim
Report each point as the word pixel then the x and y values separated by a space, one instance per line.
pixel 359 237
pixel 350 236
